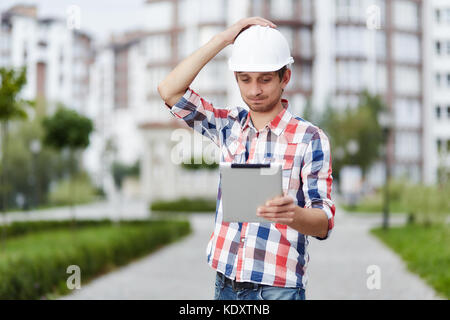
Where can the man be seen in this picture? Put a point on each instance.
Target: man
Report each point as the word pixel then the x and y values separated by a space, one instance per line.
pixel 260 260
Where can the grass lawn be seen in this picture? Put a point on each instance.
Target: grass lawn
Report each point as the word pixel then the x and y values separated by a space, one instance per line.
pixel 374 206
pixel 426 250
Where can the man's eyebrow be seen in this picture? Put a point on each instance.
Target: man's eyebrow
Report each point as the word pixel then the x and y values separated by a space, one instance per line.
pixel 261 75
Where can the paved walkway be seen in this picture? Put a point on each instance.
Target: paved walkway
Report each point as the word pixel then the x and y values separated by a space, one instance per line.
pixel 178 271
pixel 338 268
pixel 114 210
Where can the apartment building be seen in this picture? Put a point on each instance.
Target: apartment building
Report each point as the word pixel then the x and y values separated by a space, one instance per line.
pixel 117 104
pixel 336 57
pixel 437 98
pixel 57 57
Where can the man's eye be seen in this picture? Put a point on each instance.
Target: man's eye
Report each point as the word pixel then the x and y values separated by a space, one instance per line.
pixel 267 80
pixel 244 80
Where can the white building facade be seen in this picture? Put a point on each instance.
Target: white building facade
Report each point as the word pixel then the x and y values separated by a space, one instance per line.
pixel 437 98
pixel 57 58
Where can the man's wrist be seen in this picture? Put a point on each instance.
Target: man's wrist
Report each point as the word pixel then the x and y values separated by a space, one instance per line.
pixel 219 40
pixel 309 221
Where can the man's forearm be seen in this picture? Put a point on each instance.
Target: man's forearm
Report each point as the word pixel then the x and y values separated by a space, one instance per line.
pixel 310 221
pixel 175 84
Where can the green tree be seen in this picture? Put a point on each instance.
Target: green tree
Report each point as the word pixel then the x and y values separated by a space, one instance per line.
pixel 121 170
pixel 12 107
pixel 66 130
pixel 354 133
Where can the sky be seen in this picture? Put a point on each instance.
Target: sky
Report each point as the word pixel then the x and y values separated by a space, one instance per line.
pixel 98 17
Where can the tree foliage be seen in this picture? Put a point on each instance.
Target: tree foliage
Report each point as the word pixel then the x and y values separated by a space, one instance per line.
pixel 12 106
pixel 67 129
pixel 358 126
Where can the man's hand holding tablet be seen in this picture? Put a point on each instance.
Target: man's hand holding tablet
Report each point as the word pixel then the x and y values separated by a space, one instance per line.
pixel 280 209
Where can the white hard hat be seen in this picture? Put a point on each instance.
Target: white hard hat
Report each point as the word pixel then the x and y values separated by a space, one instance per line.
pixel 260 49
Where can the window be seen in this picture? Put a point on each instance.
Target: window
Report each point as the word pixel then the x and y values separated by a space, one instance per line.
pixel 407 80
pixel 257 8
pixel 438 79
pixel 304 43
pixel 351 75
pixel 406 47
pixel 437 15
pixel 407 145
pixel 448 112
pixel 439 145
pixel 350 10
pixel 306 12
pixel 282 9
pixel 448 80
pixel 446 47
pixel 438 47
pixel 407 113
pixel 406 15
pixel 447 16
pixel 438 112
pixel 349 39
pixel 288 33
pixel 212 11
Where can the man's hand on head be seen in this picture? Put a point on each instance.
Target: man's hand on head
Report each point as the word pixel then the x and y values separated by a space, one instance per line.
pixel 230 34
pixel 280 209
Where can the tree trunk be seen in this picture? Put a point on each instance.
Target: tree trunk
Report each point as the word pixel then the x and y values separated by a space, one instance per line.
pixel 72 189
pixel 4 179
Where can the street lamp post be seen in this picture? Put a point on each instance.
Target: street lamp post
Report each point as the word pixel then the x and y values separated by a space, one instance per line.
pixel 35 147
pixel 385 121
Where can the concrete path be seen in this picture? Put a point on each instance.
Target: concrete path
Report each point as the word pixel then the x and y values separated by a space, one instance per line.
pixel 341 266
pixel 175 272
pixel 114 210
pixel 338 268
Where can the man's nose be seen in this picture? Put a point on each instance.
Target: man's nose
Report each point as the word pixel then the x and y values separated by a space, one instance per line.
pixel 255 89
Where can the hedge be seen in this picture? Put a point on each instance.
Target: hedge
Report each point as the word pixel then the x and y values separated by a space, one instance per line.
pixel 34 265
pixel 185 205
pixel 19 228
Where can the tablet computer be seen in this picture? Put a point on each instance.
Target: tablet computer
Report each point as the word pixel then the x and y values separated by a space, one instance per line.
pixel 245 187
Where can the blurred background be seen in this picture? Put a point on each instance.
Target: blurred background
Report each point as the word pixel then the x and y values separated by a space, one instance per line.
pixel 83 124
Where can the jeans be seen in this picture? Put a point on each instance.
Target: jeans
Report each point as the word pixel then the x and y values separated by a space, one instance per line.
pixel 261 292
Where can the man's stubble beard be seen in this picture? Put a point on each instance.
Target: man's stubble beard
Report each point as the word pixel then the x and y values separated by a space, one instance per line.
pixel 266 107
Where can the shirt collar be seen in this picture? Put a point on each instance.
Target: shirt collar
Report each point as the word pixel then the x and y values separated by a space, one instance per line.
pixel 278 124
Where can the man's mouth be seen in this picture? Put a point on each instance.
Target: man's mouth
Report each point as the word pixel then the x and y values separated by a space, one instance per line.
pixel 257 100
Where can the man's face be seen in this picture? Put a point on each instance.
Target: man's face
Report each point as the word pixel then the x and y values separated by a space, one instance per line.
pixel 261 91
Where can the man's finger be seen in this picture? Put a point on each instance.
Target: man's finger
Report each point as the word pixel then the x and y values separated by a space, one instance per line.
pixel 279 201
pixel 285 218
pixel 277 209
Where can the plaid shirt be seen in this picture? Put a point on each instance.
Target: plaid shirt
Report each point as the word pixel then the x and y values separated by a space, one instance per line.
pixel 266 253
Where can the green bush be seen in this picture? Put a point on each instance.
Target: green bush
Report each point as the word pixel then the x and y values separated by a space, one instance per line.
pixel 19 228
pixel 427 204
pixel 424 204
pixel 75 190
pixel 197 164
pixel 34 265
pixel 185 205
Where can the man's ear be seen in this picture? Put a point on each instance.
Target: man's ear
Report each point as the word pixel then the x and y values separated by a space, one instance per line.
pixel 286 78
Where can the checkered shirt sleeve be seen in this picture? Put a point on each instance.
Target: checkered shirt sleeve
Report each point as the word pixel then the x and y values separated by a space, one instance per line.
pixel 317 178
pixel 200 115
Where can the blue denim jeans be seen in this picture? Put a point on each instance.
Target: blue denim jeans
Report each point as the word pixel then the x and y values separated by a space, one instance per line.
pixel 264 292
